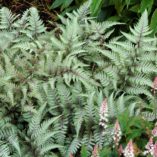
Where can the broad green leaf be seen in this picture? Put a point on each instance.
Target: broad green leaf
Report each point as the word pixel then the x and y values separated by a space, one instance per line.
pixel 66 4
pixel 135 8
pixel 153 23
pixel 95 6
pixel 113 18
pixel 84 152
pixel 57 3
pixel 124 120
pixel 105 152
pixel 134 133
pixel 127 2
pixel 119 6
pixel 146 5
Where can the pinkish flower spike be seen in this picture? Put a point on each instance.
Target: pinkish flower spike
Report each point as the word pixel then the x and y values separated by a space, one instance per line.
pixel 71 155
pixel 120 150
pixel 149 147
pixel 129 150
pixel 155 150
pixel 95 151
pixel 154 85
pixel 117 126
pixel 103 114
pixel 150 143
pixel 103 107
pixel 117 133
pixel 154 131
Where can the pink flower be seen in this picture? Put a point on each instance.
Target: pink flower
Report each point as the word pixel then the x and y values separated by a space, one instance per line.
pixel 95 151
pixel 154 85
pixel 154 131
pixel 103 114
pixel 117 133
pixel 129 150
pixel 149 147
pixel 71 155
pixel 120 150
pixel 103 107
pixel 155 150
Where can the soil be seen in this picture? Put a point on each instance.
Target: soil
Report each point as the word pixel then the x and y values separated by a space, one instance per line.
pixel 47 15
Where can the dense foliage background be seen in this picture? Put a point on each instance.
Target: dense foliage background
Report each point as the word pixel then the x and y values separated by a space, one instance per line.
pixel 74 85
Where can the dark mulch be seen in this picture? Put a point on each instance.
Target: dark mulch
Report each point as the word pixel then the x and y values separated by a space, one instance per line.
pixel 47 15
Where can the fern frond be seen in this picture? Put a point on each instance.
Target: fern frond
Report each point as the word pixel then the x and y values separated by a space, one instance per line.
pixel 35 23
pixel 74 146
pixel 7 18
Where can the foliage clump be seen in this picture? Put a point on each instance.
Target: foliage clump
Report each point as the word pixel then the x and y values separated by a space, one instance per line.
pixel 53 83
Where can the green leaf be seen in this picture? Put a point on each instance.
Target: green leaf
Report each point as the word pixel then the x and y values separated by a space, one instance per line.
pixel 135 8
pixel 119 6
pixel 57 3
pixel 124 120
pixel 95 6
pixel 66 3
pixel 153 23
pixel 134 134
pixel 127 2
pixel 146 5
pixel 84 152
pixel 106 152
pixel 113 18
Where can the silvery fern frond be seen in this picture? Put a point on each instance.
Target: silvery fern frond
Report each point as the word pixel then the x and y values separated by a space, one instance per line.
pixel 36 25
pixel 7 18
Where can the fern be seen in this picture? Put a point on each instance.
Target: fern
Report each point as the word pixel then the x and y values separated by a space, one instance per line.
pixel 7 18
pixel 53 83
pixel 35 25
pixel 129 57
